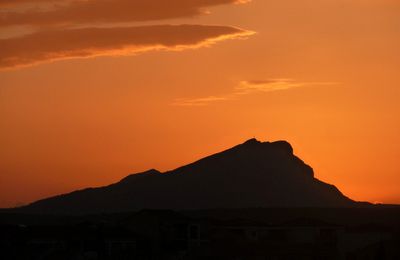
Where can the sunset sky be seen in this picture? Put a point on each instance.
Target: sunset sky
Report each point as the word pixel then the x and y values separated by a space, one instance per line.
pixel 94 90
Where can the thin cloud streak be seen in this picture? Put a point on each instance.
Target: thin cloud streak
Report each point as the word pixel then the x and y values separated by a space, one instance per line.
pixel 251 87
pixel 200 101
pixel 48 46
pixel 105 11
pixel 247 87
pixel 22 2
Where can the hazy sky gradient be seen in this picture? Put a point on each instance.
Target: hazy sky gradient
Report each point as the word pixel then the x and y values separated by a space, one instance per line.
pixel 322 75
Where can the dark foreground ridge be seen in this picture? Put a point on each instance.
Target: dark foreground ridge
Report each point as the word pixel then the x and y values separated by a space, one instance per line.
pixel 250 175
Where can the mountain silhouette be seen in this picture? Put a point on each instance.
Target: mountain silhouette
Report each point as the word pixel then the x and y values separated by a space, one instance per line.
pixel 252 174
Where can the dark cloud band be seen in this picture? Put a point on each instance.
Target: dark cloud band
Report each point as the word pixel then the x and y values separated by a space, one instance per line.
pixel 81 43
pixel 105 11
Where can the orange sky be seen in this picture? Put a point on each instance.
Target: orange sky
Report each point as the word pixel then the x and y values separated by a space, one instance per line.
pixel 90 93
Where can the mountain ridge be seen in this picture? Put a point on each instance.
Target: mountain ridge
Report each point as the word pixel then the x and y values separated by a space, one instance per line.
pixel 251 174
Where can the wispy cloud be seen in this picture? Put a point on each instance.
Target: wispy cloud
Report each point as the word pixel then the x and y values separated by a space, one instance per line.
pixel 64 29
pixel 102 11
pixel 250 87
pixel 47 46
pixel 200 101
pixel 23 2
pixel 246 87
pixel 205 2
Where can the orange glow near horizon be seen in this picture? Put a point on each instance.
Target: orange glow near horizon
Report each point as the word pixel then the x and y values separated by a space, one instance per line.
pixel 322 75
